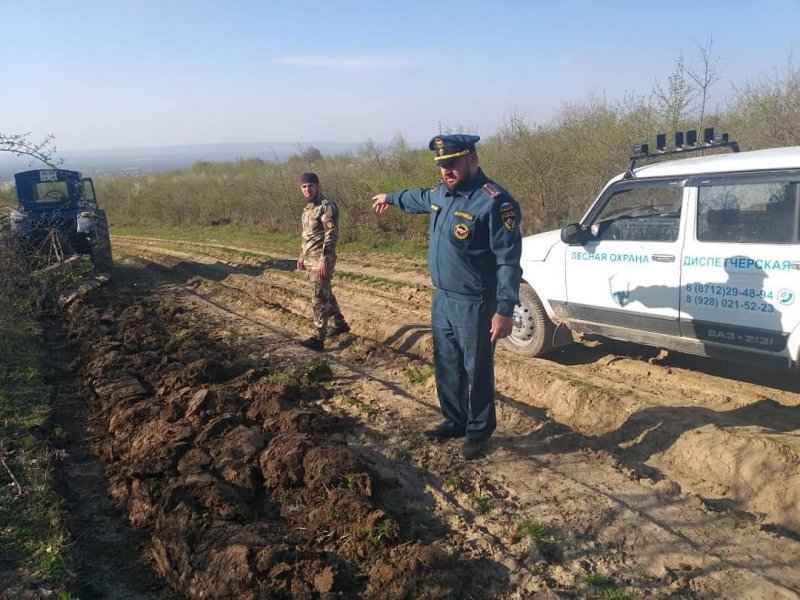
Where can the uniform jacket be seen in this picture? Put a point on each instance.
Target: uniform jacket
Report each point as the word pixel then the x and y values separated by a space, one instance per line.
pixel 320 231
pixel 474 241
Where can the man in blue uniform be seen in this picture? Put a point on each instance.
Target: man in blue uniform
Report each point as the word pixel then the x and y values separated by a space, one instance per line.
pixel 473 257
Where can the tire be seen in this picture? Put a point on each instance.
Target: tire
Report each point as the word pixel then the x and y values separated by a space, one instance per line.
pixel 100 245
pixel 533 330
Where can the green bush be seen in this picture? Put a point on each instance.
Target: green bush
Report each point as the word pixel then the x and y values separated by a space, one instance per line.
pixel 553 169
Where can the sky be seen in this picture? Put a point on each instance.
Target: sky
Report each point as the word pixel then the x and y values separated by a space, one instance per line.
pixel 102 74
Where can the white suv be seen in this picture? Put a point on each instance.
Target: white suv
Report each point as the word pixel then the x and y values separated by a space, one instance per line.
pixel 699 255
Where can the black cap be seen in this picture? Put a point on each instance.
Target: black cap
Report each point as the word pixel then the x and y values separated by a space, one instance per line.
pixel 448 147
pixel 309 178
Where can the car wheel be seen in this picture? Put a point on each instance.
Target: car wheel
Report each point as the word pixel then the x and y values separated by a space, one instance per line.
pixel 532 334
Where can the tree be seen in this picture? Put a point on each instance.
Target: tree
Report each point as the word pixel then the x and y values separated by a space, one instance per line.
pixel 20 144
pixel 312 156
pixel 704 76
pixel 671 103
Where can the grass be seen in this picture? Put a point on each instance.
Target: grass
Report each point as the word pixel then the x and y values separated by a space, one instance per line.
pixel 318 370
pixel 377 434
pixel 533 529
pixel 365 409
pixel 35 542
pixel 452 482
pixel 34 539
pixel 350 481
pixel 381 532
pixel 281 379
pixel 607 588
pixel 479 503
pixel 542 536
pixel 419 375
pixel 643 576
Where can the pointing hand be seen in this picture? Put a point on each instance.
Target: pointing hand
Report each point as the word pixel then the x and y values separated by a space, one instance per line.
pixel 379 203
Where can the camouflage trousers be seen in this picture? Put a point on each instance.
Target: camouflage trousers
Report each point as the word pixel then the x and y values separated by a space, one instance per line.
pixel 324 305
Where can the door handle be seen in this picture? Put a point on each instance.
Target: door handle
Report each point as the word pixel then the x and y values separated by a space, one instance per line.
pixel 665 258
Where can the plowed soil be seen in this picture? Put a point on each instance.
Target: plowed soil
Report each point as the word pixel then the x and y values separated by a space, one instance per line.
pixel 239 464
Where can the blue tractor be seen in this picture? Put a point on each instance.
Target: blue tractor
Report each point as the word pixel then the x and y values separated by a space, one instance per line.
pixel 58 218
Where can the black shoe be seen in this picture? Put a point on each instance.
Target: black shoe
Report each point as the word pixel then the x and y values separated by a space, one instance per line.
pixel 339 329
pixel 444 432
pixel 473 448
pixel 314 344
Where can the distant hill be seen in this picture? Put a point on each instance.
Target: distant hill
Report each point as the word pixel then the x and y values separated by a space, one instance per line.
pixel 132 161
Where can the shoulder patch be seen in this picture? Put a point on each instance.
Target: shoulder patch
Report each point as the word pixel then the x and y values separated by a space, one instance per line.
pixel 491 190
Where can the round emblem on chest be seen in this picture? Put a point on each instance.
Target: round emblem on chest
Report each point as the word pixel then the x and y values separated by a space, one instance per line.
pixel 461 231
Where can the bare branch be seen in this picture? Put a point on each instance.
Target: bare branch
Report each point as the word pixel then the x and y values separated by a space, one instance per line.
pixel 704 76
pixel 20 144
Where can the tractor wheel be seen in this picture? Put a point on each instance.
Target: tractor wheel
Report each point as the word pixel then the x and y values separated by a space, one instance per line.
pixel 533 330
pixel 100 245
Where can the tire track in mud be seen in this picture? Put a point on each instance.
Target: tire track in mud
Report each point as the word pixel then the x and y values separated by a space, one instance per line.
pixel 614 468
pixel 617 402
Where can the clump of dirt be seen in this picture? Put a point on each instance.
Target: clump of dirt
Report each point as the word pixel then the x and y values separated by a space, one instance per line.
pixel 245 486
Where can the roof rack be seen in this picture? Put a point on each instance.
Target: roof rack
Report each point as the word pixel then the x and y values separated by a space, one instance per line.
pixel 681 145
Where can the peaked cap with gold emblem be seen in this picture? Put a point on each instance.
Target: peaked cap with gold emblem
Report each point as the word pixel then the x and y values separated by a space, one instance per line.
pixel 450 147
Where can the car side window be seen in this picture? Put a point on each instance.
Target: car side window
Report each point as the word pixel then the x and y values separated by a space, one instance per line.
pixel 644 213
pixel 755 213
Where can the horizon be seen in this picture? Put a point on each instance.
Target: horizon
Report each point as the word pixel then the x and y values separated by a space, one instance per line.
pixel 303 145
pixel 154 159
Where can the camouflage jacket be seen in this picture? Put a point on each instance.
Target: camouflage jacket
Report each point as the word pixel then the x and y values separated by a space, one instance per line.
pixel 320 232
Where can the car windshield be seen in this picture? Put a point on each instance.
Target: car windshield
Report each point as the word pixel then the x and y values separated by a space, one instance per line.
pixel 642 202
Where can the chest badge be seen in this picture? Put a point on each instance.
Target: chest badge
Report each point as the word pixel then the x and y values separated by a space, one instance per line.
pixel 461 231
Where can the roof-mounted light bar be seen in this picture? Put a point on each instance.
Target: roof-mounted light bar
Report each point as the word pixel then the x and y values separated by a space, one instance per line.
pixel 681 143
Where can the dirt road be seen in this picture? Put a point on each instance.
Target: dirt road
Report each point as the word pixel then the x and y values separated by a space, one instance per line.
pixel 260 469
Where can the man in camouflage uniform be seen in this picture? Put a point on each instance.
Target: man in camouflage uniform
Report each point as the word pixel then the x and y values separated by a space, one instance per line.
pixel 318 257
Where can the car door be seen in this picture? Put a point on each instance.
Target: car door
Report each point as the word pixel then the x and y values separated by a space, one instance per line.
pixel 741 261
pixel 627 274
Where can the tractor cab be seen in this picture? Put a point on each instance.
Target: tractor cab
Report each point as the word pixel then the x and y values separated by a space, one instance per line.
pixel 54 190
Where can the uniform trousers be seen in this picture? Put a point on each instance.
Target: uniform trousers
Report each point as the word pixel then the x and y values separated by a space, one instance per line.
pixel 324 304
pixel 463 360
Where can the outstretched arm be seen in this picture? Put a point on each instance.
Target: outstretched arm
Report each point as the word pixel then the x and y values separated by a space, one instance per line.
pixel 415 201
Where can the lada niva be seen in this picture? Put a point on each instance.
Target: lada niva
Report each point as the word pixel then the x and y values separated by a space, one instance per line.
pixel 698 255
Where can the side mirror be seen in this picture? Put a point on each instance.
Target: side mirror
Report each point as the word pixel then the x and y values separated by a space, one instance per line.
pixel 574 235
